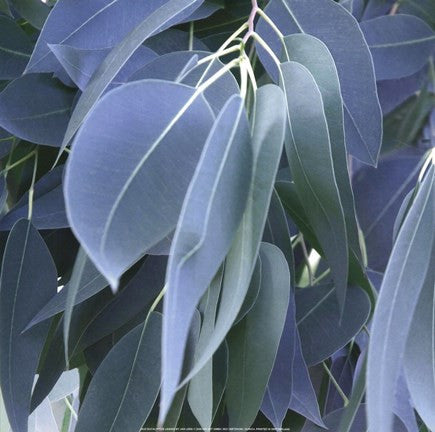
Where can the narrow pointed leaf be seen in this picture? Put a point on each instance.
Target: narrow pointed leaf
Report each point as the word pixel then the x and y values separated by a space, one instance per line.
pixel 403 281
pixel 317 313
pixel 308 147
pixel 128 216
pixel 315 56
pixel 267 143
pixel 168 14
pixel 125 386
pixel 36 108
pixel 253 343
pixel 211 213
pixel 400 44
pixel 420 351
pixel 28 280
pixel 339 30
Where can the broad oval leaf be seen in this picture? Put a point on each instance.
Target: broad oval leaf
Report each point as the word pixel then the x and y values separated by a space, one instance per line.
pixel 419 358
pixel 211 213
pixel 317 314
pixel 315 56
pixel 400 44
pixel 267 143
pixel 28 280
pixel 36 108
pixel 15 49
pixel 308 147
pixel 138 202
pixel 339 30
pixel 170 12
pixel 80 64
pixel 100 24
pixel 125 386
pixel 253 343
pixel 403 281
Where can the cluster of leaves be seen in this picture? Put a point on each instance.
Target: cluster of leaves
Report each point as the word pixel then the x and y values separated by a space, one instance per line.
pixel 200 203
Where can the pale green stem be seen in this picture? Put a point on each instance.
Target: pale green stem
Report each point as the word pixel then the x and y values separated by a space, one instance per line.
pixel 322 276
pixel 307 261
pixel 336 385
pixel 32 186
pixel 71 408
pixel 191 33
pixel 9 167
pixel 218 54
pixel 274 27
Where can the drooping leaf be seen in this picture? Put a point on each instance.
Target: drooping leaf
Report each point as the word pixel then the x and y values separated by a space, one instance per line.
pixel 211 213
pixel 253 343
pixel 28 279
pixel 200 393
pixel 400 44
pixel 317 314
pixel 315 56
pixel 339 30
pixel 139 203
pixel 267 143
pixel 424 9
pixel 92 282
pixel 80 64
pixel 419 358
pixel 48 204
pixel 125 386
pixel 36 108
pixel 403 281
pixel 170 12
pixel 15 49
pixel 308 147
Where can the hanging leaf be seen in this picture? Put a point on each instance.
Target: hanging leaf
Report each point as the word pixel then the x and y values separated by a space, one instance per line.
pixel 420 350
pixel 28 279
pixel 125 386
pixel 267 143
pixel 400 44
pixel 220 182
pixel 253 343
pixel 315 56
pixel 397 300
pixel 308 147
pixel 340 32
pixel 170 12
pixel 36 108
pixel 317 313
pixel 34 11
pixel 122 222
pixel 15 49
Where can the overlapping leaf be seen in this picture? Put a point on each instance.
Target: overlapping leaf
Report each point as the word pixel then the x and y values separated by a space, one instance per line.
pixel 403 281
pixel 339 30
pixel 147 124
pixel 211 213
pixel 28 279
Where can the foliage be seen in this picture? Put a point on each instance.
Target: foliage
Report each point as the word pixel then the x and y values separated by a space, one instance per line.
pixel 217 213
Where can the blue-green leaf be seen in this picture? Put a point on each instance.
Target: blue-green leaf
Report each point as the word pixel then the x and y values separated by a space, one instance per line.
pixel 211 213
pixel 403 281
pixel 28 280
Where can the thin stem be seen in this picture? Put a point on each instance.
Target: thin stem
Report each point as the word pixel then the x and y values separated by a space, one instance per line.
pixel 156 303
pixel 32 186
pixel 322 276
pixel 9 166
pixel 251 21
pixel 267 48
pixel 395 8
pixel 218 54
pixel 71 408
pixel 216 76
pixel 243 79
pixel 274 27
pixel 336 385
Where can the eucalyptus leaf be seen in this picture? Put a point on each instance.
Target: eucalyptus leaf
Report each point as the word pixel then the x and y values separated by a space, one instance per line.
pixel 220 182
pixel 125 386
pixel 308 147
pixel 28 279
pixel 43 118
pixel 34 11
pixel 152 128
pixel 400 44
pixel 339 30
pixel 253 343
pixel 397 300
